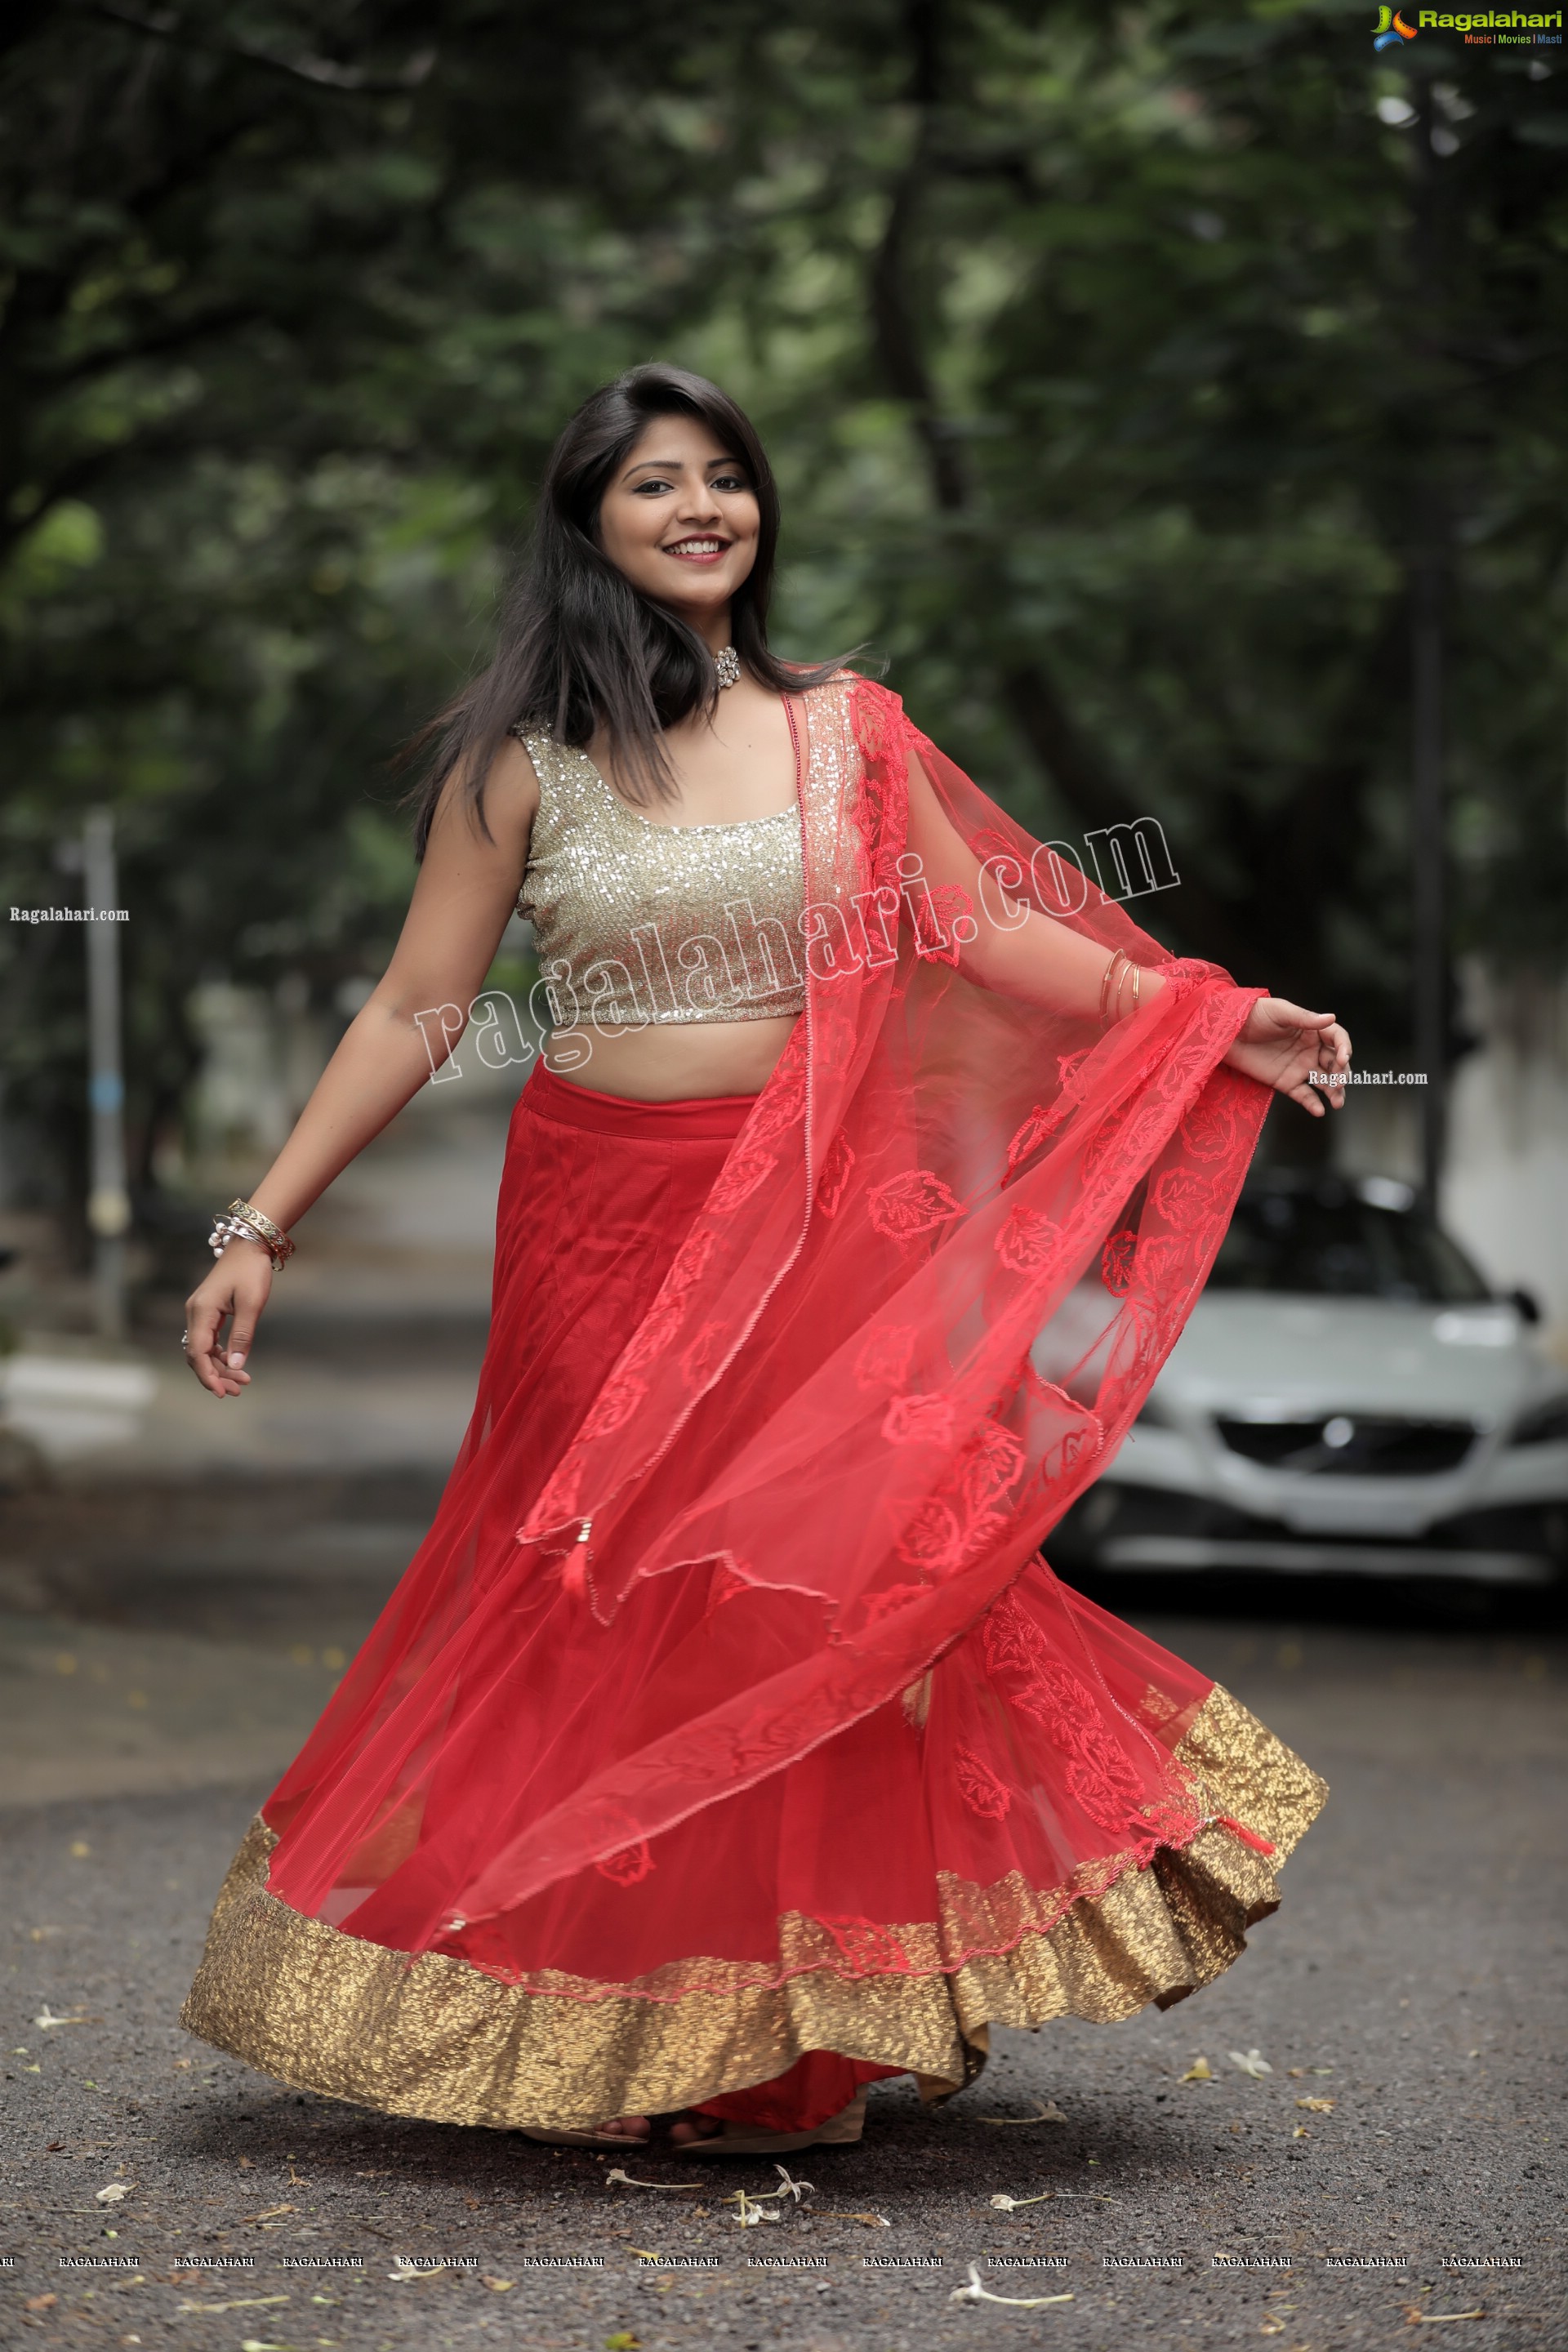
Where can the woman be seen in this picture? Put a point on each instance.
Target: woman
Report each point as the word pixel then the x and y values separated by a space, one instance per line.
pixel 727 1744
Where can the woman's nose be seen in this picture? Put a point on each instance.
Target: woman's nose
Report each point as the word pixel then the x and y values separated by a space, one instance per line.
pixel 698 502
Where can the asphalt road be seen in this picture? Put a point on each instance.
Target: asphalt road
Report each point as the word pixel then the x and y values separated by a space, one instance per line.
pixel 1414 1979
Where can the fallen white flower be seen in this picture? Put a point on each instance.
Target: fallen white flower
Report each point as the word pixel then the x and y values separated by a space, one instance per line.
pixel 1251 2062
pixel 749 2202
pixel 795 2188
pixel 1011 2204
pixel 625 2180
pixel 975 2292
pixel 749 2208
pixel 45 2018
pixel 113 2194
pixel 403 2270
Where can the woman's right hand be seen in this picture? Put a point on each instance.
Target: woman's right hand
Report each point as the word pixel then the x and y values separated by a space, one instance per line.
pixel 235 1292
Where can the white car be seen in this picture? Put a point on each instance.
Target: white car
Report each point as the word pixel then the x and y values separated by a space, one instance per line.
pixel 1348 1396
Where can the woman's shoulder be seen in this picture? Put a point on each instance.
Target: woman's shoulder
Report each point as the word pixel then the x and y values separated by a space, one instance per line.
pixel 841 680
pixel 555 764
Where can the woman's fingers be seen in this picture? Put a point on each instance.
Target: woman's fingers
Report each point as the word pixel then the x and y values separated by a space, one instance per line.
pixel 204 1318
pixel 234 1295
pixel 1287 1015
pixel 241 1334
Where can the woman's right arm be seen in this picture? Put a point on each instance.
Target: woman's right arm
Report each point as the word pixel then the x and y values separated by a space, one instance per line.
pixel 462 900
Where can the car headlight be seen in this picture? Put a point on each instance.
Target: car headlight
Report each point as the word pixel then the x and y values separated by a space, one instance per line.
pixel 1546 1425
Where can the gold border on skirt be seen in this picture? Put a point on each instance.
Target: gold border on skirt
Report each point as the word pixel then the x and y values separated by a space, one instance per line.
pixel 434 2037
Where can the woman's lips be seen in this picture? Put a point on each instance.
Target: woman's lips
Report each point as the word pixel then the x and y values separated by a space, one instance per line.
pixel 703 552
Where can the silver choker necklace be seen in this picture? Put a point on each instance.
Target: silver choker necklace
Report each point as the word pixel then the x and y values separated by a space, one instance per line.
pixel 727 665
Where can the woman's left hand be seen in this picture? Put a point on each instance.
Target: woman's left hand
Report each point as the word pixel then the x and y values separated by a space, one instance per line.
pixel 1283 1043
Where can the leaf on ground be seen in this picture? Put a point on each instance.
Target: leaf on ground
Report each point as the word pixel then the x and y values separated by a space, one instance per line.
pixel 40 2303
pixel 267 2213
pixel 245 2302
pixel 867 2220
pixel 1272 2327
pixel 1419 2319
pixel 1317 2106
pixel 623 2341
pixel 496 2286
pixel 1250 2062
pixel 1300 2132
pixel 1200 2071
pixel 1050 2114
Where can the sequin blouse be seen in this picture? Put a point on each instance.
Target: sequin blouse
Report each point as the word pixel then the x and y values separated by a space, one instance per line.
pixel 635 922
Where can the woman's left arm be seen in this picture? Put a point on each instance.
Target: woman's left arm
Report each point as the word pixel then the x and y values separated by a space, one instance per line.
pixel 1044 962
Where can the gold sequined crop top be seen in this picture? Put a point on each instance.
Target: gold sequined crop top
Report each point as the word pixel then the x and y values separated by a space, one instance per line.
pixel 637 922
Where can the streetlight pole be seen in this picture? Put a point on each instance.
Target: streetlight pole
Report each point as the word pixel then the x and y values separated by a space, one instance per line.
pixel 108 1205
pixel 1429 962
pixel 1427 578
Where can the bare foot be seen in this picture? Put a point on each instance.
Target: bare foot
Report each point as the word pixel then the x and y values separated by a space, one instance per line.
pixel 633 2129
pixel 689 2126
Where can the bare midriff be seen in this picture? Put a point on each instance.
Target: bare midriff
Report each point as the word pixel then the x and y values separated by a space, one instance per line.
pixel 672 1062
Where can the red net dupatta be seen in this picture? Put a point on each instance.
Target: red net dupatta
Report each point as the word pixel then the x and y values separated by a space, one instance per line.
pixel 939 1268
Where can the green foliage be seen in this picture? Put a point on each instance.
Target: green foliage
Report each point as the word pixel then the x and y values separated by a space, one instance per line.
pixel 1106 358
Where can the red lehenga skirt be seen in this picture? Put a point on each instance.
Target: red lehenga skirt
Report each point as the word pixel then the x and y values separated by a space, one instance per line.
pixel 871 1908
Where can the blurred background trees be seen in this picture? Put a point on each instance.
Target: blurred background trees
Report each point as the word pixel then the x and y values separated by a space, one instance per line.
pixel 1108 358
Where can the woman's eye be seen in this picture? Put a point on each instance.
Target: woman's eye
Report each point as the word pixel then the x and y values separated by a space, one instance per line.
pixel 729 482
pixel 643 487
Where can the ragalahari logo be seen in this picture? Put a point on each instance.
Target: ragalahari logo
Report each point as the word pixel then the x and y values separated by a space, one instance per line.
pixel 1392 29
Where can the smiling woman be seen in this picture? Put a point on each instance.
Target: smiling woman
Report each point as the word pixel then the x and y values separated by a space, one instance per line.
pixel 690 504
pixel 728 1744
pixel 653 557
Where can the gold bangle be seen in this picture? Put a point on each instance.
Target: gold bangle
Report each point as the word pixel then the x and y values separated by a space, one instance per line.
pixel 1109 980
pixel 273 1238
pixel 1128 966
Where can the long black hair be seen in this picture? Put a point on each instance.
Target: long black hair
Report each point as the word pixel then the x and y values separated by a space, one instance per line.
pixel 579 645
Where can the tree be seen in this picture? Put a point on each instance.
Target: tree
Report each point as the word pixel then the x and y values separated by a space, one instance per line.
pixel 1096 353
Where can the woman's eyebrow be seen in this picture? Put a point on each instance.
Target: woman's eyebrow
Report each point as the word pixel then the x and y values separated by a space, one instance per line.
pixel 674 465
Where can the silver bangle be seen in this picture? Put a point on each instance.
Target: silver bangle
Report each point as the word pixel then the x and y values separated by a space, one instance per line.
pixel 228 1229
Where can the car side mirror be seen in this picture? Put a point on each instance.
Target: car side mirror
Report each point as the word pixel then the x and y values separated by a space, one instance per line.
pixel 1527 1304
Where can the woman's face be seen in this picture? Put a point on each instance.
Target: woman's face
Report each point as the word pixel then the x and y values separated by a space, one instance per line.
pixel 679 517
